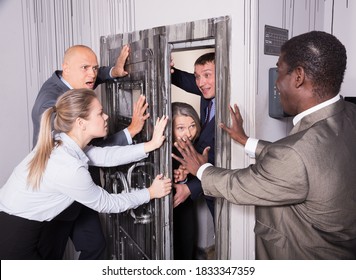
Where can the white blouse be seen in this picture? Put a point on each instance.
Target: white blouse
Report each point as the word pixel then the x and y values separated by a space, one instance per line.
pixel 67 179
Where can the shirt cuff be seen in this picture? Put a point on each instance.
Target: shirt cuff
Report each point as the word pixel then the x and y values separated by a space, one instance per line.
pixel 183 182
pixel 128 136
pixel 201 170
pixel 110 73
pixel 251 146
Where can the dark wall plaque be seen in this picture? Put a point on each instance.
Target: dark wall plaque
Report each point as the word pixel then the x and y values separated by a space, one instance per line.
pixel 274 39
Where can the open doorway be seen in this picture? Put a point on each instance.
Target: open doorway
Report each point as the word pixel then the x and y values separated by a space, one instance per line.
pixel 203 230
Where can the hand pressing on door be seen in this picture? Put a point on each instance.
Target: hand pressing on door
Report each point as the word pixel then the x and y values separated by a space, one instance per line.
pixel 160 187
pixel 172 65
pixel 138 117
pixel 236 130
pixel 118 70
pixel 158 135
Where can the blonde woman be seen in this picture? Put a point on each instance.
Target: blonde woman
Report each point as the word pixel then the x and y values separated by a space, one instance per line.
pixel 55 173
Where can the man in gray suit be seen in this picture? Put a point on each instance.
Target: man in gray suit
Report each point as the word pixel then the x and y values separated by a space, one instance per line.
pixel 304 185
pixel 80 69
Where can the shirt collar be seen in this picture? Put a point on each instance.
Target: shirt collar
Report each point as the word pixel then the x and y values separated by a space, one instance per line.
pixel 72 147
pixel 66 83
pixel 301 115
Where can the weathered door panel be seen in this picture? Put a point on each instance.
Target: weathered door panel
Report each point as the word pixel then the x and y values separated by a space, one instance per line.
pixel 146 232
pixel 142 233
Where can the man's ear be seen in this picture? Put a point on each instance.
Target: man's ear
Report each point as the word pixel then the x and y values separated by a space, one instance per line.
pixel 300 76
pixel 65 68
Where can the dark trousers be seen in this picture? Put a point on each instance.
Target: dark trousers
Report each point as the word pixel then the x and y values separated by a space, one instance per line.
pixel 87 235
pixel 19 238
pixel 184 230
pixel 79 223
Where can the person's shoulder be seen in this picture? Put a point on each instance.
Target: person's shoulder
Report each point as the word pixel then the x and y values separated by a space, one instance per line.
pixel 53 83
pixel 63 167
pixel 46 99
pixel 66 159
pixel 50 91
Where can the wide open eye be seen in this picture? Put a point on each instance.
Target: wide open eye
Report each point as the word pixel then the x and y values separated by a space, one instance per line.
pixel 86 68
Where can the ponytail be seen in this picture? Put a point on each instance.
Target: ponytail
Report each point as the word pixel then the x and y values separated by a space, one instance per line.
pixel 71 105
pixel 43 150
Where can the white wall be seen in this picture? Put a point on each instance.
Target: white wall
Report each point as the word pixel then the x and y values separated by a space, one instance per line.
pixel 341 25
pixel 14 121
pixel 35 34
pixel 297 17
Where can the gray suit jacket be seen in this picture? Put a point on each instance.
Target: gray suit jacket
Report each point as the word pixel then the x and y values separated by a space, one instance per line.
pixel 48 95
pixel 303 186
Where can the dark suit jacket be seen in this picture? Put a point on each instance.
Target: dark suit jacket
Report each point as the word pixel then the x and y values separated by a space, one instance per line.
pixel 304 187
pixel 48 95
pixel 186 81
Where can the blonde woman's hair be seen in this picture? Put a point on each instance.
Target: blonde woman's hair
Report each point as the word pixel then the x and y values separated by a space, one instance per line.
pixel 71 105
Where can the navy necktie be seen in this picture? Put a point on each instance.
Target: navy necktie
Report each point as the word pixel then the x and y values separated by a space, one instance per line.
pixel 207 113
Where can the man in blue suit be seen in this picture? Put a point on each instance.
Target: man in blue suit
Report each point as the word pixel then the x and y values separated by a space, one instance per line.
pixel 201 83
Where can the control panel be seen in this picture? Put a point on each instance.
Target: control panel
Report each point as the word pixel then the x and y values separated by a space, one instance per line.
pixel 275 109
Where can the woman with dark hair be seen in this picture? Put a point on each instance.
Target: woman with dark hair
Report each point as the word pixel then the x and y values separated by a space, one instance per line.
pixel 55 173
pixel 185 123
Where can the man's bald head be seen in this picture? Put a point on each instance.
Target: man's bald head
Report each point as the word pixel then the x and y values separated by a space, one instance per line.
pixel 80 67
